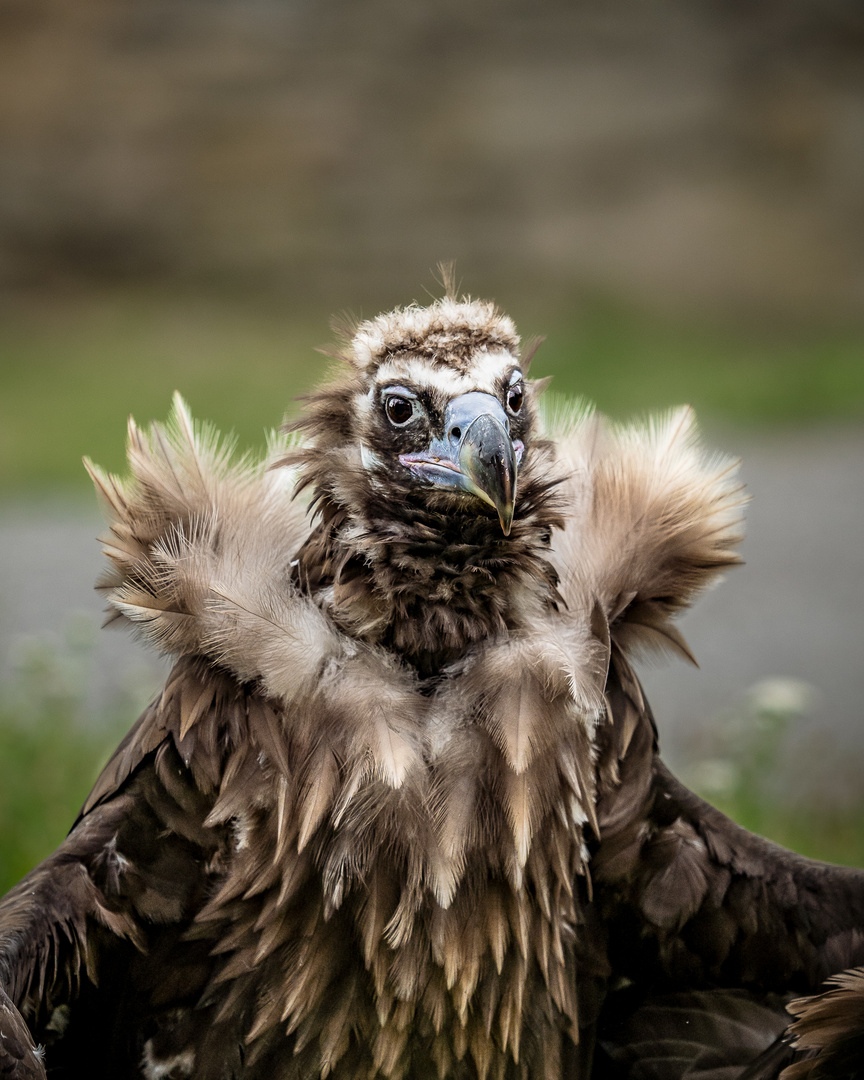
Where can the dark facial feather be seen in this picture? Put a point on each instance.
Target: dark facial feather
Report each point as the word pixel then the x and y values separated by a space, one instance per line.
pixel 425 571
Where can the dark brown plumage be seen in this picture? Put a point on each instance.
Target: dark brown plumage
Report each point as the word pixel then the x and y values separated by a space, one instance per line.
pixel 831 1027
pixel 399 811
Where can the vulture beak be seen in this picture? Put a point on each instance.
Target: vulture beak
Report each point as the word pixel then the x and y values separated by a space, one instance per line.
pixel 475 455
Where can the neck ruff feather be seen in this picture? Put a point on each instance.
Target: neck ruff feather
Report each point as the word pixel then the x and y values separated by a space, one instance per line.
pixel 201 546
pixel 379 806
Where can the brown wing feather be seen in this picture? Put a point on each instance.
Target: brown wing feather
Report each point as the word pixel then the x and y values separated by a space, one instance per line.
pixel 692 896
pixel 20 1059
pixel 694 907
pixel 93 936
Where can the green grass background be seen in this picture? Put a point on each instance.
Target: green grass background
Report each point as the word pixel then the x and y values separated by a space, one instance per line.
pixel 72 369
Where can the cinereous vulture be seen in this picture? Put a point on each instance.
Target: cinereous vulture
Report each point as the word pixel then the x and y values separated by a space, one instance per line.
pixel 398 811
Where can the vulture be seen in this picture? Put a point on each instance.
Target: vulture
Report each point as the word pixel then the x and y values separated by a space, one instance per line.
pixel 399 811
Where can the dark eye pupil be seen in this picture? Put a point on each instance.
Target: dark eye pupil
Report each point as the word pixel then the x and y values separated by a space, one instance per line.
pixel 514 399
pixel 399 411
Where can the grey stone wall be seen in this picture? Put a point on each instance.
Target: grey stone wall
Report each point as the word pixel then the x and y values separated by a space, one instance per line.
pixel 686 152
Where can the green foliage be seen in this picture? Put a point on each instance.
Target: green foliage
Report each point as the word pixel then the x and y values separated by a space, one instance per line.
pixel 72 371
pixel 53 742
pixel 749 772
pixel 72 375
pixel 630 363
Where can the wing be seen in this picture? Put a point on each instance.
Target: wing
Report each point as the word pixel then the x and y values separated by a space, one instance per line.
pixel 710 929
pixel 139 859
pixel 198 549
pixel 718 905
pixel 707 929
pixel 83 928
pixel 20 1059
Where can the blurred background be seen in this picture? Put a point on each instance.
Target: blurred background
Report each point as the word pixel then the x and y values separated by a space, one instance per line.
pixel 671 190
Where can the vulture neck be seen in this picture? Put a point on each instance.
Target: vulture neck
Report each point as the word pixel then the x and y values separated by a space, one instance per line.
pixel 428 583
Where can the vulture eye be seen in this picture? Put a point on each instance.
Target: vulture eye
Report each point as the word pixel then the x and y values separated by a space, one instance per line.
pixel 399 410
pixel 514 398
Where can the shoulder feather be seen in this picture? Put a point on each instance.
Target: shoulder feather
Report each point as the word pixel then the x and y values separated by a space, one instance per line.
pixel 200 545
pixel 652 521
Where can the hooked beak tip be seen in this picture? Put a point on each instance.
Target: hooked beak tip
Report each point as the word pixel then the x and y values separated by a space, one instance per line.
pixel 489 460
pixel 483 462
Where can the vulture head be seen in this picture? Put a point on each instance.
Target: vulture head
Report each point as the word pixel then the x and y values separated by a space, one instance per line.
pixel 444 411
pixel 435 493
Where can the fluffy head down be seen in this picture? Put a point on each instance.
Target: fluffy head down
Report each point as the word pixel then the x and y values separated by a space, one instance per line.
pixel 448 333
pixel 452 347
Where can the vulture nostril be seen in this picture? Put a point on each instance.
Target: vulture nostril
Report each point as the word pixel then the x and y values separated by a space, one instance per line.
pixel 456 433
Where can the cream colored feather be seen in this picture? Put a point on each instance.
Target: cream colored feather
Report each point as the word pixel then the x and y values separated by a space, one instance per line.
pixel 652 522
pixel 199 545
pixel 480 790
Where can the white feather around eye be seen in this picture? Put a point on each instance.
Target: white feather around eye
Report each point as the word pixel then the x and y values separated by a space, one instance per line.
pixel 442 326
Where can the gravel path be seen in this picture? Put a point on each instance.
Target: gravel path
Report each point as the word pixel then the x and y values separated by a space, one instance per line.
pixel 796 610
